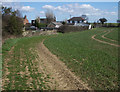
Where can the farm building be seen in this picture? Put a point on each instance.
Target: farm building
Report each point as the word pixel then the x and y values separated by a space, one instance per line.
pixel 81 24
pixel 55 24
pixel 40 20
pixel 76 20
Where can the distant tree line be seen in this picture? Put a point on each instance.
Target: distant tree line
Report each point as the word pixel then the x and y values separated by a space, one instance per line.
pixel 12 21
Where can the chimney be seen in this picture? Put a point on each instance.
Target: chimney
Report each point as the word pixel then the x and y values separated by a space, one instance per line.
pixel 25 17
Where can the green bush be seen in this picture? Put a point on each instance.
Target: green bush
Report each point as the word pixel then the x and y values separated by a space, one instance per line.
pixel 111 25
pixel 42 25
pixel 15 25
pixel 39 25
pixel 12 22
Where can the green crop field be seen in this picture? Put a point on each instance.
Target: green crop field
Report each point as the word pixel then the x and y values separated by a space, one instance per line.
pixel 94 62
pixel 20 70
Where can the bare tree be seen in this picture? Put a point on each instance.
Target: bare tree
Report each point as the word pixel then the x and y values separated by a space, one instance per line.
pixel 64 21
pixel 18 14
pixel 50 16
pixel 38 19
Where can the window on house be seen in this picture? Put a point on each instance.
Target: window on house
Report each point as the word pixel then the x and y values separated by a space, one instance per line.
pixel 73 21
pixel 68 21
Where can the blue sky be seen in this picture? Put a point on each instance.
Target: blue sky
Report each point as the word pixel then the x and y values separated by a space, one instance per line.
pixel 63 10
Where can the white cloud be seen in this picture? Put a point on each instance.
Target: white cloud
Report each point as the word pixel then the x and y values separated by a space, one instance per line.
pixel 114 13
pixel 48 7
pixel 26 9
pixel 18 6
pixel 8 0
pixel 80 9
pixel 11 4
pixel 77 9
pixel 60 0
pixel 42 12
pixel 85 6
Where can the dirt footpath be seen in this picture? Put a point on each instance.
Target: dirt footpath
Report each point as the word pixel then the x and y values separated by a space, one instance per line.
pixel 61 78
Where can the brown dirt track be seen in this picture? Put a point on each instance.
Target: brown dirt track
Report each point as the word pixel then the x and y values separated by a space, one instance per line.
pixel 61 77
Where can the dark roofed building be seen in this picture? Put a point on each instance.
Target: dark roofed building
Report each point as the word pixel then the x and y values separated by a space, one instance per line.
pixel 55 24
pixel 40 20
pixel 43 20
pixel 76 20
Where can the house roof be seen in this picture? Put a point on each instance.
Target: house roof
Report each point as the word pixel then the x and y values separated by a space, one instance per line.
pixel 42 18
pixel 76 19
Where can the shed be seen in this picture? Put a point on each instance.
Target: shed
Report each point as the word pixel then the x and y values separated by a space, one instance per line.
pixel 55 24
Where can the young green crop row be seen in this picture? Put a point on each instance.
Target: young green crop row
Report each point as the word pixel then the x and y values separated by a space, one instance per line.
pixel 20 69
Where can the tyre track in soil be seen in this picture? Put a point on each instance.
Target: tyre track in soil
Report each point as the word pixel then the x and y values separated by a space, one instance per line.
pixel 61 77
pixel 103 36
pixel 93 37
